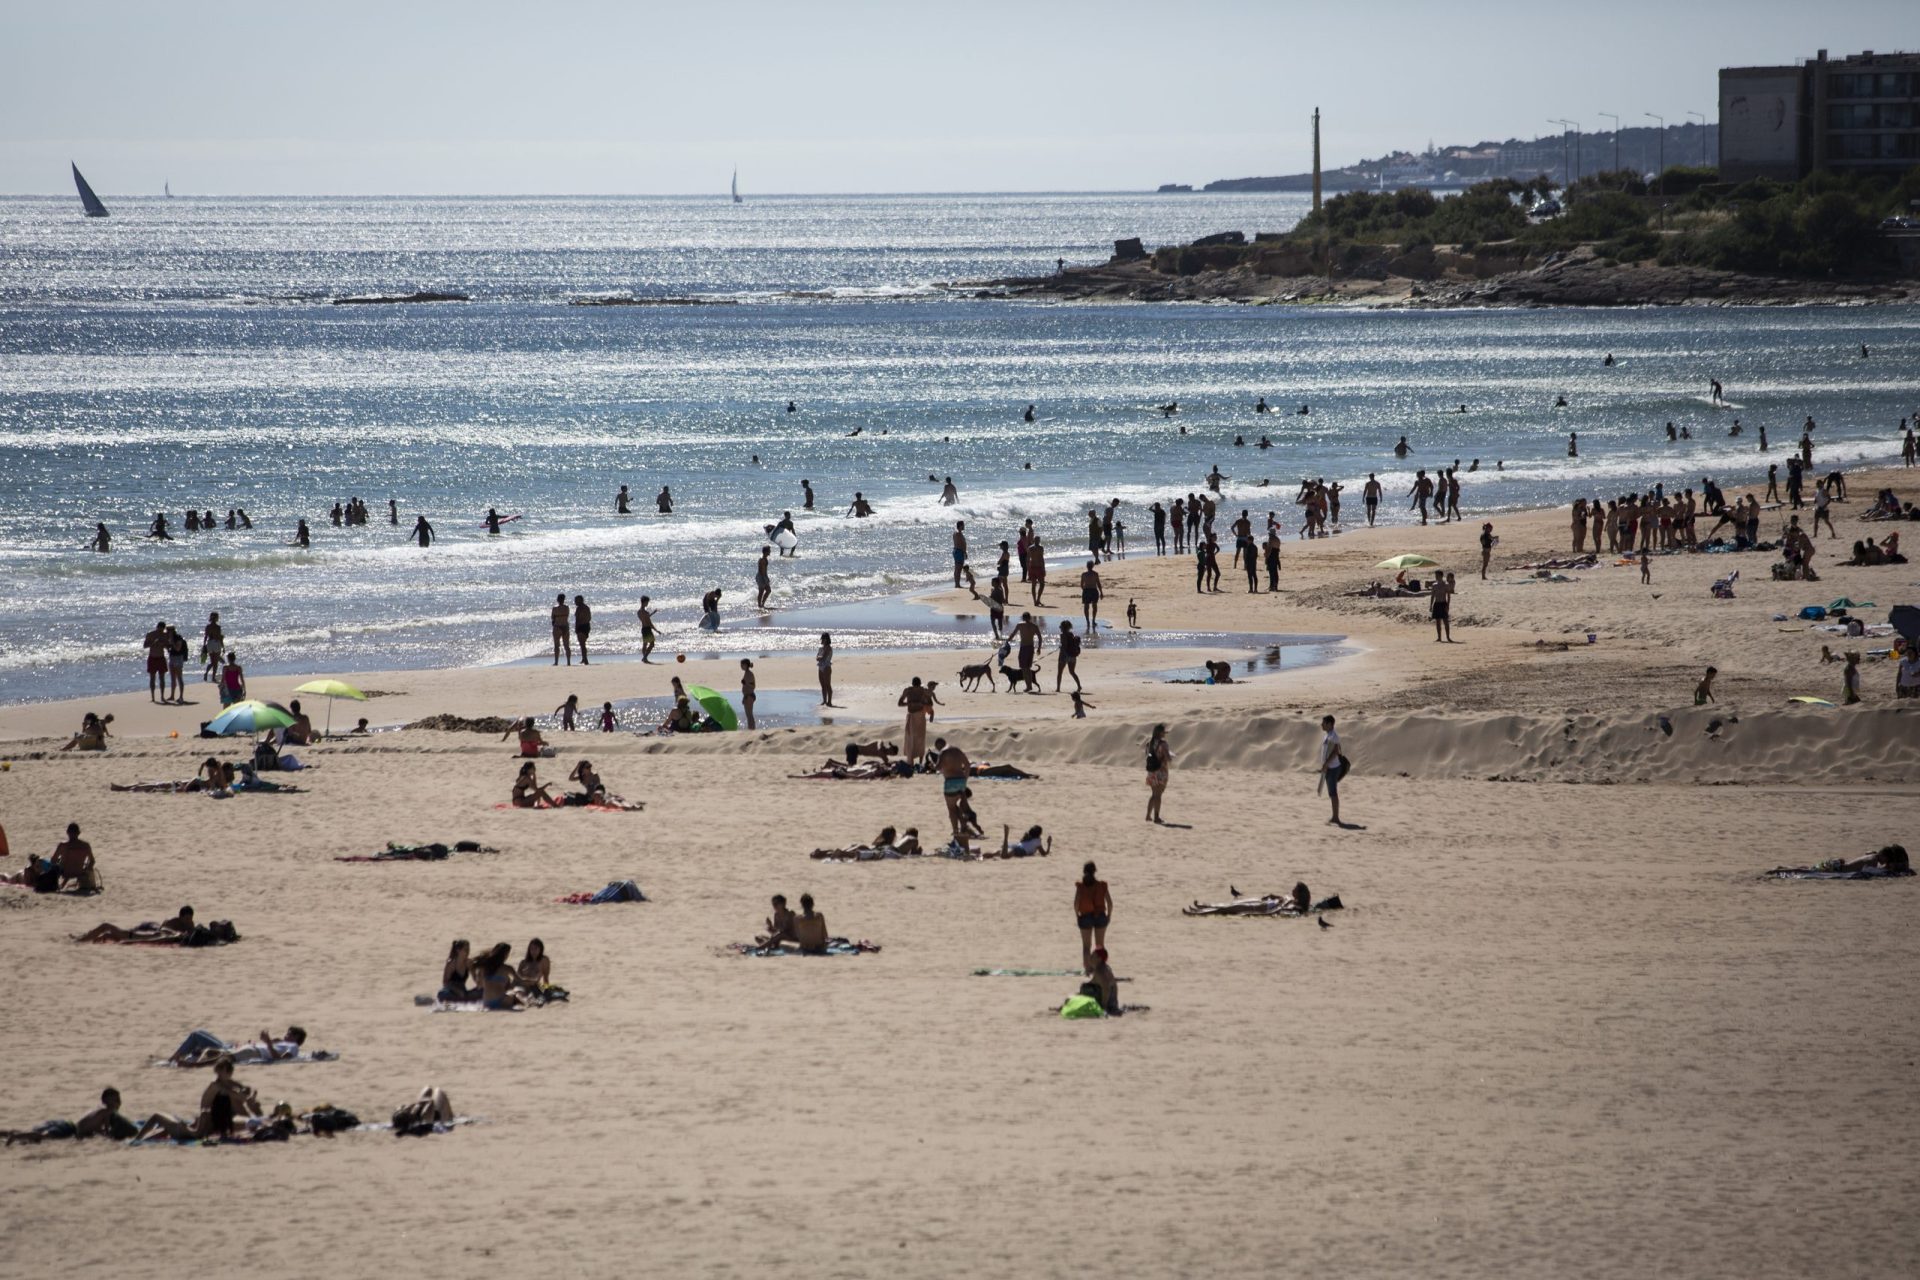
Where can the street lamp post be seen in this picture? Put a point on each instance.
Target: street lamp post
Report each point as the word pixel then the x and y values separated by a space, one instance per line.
pixel 1576 149
pixel 1566 153
pixel 1703 137
pixel 1662 179
pixel 1616 137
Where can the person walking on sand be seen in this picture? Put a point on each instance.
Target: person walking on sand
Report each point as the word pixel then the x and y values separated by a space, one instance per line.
pixel 1487 540
pixel 823 665
pixel 645 614
pixel 1067 657
pixel 1091 594
pixel 1092 909
pixel 213 642
pixel 763 579
pixel 919 705
pixel 1159 761
pixel 1027 634
pixel 1850 679
pixel 1370 494
pixel 582 625
pixel 748 682
pixel 1333 766
pixel 562 632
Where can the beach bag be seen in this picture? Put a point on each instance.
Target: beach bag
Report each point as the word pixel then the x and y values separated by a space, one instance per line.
pixel 330 1119
pixel 1813 613
pixel 1082 1007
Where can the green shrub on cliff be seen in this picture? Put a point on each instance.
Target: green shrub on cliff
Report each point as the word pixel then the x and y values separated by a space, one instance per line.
pixel 1482 212
pixel 1826 224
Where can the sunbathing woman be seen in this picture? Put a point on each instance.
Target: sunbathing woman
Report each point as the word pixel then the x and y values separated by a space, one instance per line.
pixel 455 973
pixel 220 1103
pixel 1889 861
pixel 174 930
pixel 529 792
pixel 592 791
pixel 495 980
pixel 532 745
pixel 1026 846
pixel 884 845
pixel 93 734
pixel 1297 903
pixel 535 971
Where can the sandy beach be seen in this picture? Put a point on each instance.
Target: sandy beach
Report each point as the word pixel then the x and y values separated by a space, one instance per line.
pixel 1561 1026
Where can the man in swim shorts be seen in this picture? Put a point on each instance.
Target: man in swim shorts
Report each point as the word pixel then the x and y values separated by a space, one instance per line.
pixel 646 629
pixel 954 770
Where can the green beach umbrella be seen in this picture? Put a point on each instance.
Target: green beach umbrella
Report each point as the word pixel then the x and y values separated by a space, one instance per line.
pixel 331 689
pixel 714 705
pixel 249 717
pixel 1409 561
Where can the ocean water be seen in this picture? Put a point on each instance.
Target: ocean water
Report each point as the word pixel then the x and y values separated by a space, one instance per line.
pixel 185 352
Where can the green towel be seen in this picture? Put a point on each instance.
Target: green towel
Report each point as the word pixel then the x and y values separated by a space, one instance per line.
pixel 1082 1007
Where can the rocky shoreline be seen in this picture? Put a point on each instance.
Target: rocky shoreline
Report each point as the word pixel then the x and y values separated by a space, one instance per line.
pixel 1434 276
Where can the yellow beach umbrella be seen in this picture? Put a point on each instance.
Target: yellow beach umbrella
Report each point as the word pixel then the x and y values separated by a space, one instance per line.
pixel 331 689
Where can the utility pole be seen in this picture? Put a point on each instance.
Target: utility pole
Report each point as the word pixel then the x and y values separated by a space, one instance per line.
pixel 1316 159
pixel 1566 173
pixel 1616 137
pixel 1703 137
pixel 1663 149
pixel 1576 150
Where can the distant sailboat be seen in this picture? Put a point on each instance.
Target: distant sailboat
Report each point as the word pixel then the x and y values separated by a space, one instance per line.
pixel 736 186
pixel 88 201
pixel 168 188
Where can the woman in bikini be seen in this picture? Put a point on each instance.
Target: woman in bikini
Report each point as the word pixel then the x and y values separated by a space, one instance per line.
pixel 531 743
pixel 529 792
pixel 535 971
pixel 1159 757
pixel 495 980
pixel 1092 909
pixel 592 790
pixel 453 975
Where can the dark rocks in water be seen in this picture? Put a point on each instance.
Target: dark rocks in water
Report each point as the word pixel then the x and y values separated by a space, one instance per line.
pixel 462 724
pixel 652 302
pixel 1221 237
pixel 1175 188
pixel 423 295
pixel 1129 250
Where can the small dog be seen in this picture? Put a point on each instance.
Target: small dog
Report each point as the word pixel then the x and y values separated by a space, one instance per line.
pixel 1020 677
pixel 973 674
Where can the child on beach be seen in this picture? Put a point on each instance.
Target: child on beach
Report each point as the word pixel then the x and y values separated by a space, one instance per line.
pixel 1080 705
pixel 1703 692
pixel 1646 566
pixel 1133 614
pixel 607 719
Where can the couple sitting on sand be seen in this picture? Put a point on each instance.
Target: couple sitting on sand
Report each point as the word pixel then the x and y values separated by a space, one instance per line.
pixel 530 793
pixel 70 867
pixel 1099 995
pixel 805 933
pixel 494 984
pixel 93 734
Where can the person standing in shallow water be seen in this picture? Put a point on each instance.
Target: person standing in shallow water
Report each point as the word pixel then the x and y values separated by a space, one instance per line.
pixel 562 635
pixel 748 683
pixel 422 531
pixel 582 625
pixel 823 666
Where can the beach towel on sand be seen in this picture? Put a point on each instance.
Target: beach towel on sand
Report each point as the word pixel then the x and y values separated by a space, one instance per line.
pixel 1816 873
pixel 835 947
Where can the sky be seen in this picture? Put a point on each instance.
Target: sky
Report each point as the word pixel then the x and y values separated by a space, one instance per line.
pixel 421 96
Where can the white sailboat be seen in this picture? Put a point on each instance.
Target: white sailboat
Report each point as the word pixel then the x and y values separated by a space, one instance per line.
pixel 89 202
pixel 736 186
pixel 168 188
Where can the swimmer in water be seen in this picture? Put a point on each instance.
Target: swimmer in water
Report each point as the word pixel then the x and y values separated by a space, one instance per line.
pixel 1260 405
pixel 1560 402
pixel 621 502
pixel 493 522
pixel 861 508
pixel 1028 415
pixel 1573 444
pixel 1461 409
pixel 664 501
pixel 806 491
pixel 102 540
pixel 1401 450
pixel 792 407
pixel 422 531
pixel 1170 408
pixel 301 538
pixel 1302 412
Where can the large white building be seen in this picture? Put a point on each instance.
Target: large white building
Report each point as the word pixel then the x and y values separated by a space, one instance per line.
pixel 1857 114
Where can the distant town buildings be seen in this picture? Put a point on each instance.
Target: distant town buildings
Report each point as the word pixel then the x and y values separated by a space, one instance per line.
pixel 1858 114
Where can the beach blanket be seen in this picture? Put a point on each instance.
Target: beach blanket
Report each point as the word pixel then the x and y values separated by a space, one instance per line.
pixel 547 995
pixel 1026 973
pixel 616 891
pixel 318 1055
pixel 418 852
pixel 612 804
pixel 835 947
